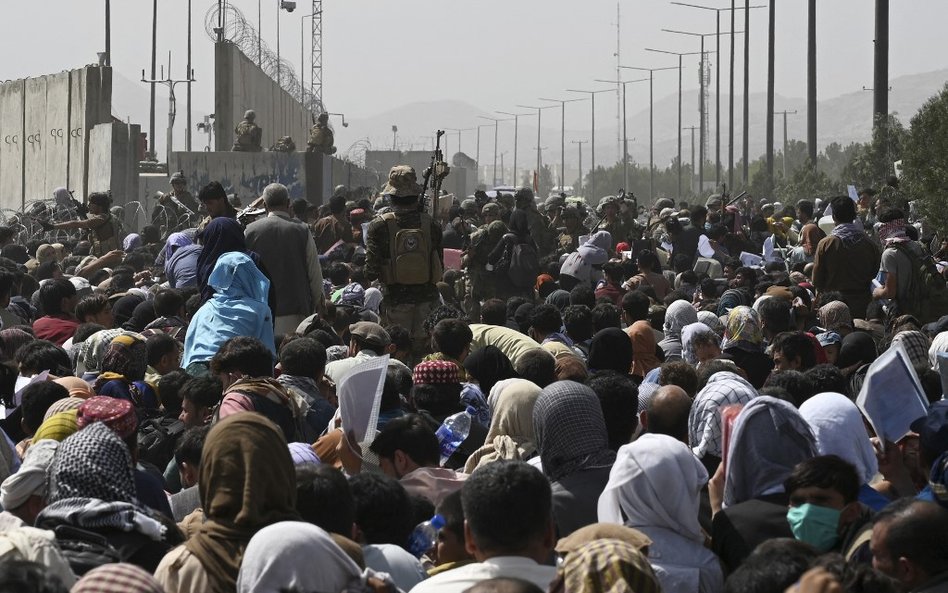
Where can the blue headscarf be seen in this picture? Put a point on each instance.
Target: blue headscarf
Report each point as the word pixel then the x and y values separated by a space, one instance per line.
pixel 238 307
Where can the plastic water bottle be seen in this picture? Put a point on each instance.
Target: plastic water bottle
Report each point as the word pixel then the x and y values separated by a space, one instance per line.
pixel 425 536
pixel 453 431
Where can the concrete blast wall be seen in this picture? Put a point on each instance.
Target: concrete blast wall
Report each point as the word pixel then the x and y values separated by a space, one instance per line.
pixel 44 128
pixel 241 85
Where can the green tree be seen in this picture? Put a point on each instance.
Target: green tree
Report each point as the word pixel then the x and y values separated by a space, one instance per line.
pixel 925 161
pixel 871 163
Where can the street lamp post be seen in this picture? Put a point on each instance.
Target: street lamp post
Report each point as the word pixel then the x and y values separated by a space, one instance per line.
pixel 717 82
pixel 516 118
pixel 580 143
pixel 477 157
pixel 651 123
pixel 625 134
pixel 496 126
pixel 702 107
pixel 592 129
pixel 680 70
pixel 458 131
pixel 692 128
pixel 538 147
pixel 562 103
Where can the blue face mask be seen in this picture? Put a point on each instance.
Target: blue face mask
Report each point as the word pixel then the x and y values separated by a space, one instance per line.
pixel 707 226
pixel 815 525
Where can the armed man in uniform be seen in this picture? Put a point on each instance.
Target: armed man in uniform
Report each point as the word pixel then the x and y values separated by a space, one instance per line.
pixel 247 134
pixel 480 283
pixel 100 224
pixel 321 138
pixel 403 251
pixel 540 230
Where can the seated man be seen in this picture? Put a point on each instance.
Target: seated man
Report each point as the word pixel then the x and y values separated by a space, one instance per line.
pixel 408 450
pixel 824 508
pixel 508 529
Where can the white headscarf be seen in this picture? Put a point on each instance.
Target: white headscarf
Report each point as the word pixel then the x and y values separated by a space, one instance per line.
pixel 939 344
pixel 372 299
pixel 769 439
pixel 678 315
pixel 688 335
pixel 295 555
pixel 33 476
pixel 655 482
pixel 839 430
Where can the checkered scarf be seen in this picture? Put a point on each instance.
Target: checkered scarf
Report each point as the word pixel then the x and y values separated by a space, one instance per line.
pixel 570 430
pixel 916 345
pixel 117 578
pixel 704 422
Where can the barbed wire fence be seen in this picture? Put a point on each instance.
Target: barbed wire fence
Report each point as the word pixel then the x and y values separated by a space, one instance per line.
pixel 239 31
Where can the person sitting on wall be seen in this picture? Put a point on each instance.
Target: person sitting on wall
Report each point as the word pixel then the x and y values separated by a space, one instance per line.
pixel 247 134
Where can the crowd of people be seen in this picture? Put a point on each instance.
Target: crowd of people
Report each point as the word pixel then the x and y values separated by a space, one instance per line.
pixel 657 400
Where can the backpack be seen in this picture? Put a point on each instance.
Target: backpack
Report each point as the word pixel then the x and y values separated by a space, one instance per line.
pixel 928 288
pixel 411 256
pixel 524 265
pixel 157 439
pixel 85 550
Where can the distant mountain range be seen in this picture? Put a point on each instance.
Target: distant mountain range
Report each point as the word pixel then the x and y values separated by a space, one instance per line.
pixel 843 119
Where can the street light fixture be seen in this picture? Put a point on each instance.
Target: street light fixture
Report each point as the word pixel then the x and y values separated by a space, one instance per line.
pixel 538 148
pixel 592 129
pixel 516 118
pixel 625 135
pixel 680 70
pixel 651 122
pixel 458 132
pixel 703 108
pixel 496 122
pixel 717 101
pixel 562 103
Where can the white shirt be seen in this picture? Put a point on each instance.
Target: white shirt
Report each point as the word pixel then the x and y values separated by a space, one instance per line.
pixel 459 579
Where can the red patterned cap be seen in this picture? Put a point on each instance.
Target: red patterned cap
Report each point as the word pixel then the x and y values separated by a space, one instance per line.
pixel 117 414
pixel 436 372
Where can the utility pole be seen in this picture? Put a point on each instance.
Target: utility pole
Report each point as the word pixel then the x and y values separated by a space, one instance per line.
pixel 786 146
pixel 539 116
pixel 580 143
pixel 730 133
pixel 496 127
pixel 717 101
pixel 771 38
pixel 154 72
pixel 459 131
pixel 172 101
pixel 680 70
pixel 625 132
pixel 592 128
pixel 516 119
pixel 692 128
pixel 562 103
pixel 747 53
pixel 880 97
pixel 651 123
pixel 187 133
pixel 811 82
pixel 108 31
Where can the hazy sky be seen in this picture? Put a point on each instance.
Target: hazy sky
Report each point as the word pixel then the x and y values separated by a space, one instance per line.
pixel 379 54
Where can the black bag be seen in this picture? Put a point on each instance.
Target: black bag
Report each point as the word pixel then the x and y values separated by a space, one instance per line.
pixel 524 265
pixel 157 440
pixel 85 550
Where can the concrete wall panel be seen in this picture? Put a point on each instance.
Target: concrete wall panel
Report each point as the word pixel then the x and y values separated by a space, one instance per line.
pixel 240 85
pixel 78 83
pixel 37 136
pixel 57 133
pixel 11 145
pixel 245 173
